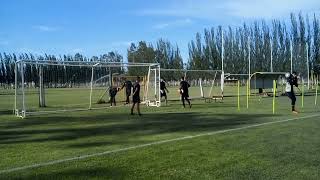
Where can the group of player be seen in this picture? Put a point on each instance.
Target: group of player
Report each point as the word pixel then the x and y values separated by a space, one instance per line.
pixel 129 88
pixel 135 88
pixel 291 81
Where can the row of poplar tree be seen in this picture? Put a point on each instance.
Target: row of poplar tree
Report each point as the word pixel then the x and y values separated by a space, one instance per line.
pixel 261 42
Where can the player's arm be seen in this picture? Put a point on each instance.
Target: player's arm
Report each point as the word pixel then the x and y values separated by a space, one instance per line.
pixel 181 85
pixel 165 88
pixel 123 85
pixel 181 88
pixel 295 81
pixel 134 93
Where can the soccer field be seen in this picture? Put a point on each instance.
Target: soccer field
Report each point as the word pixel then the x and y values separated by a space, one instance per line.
pixel 209 141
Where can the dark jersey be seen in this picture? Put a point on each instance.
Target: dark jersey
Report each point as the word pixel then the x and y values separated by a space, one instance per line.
pixel 113 92
pixel 128 85
pixel 184 85
pixel 136 89
pixel 162 85
pixel 291 81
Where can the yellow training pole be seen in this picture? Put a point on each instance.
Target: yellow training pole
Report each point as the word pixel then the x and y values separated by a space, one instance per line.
pixel 302 95
pixel 248 94
pixel 274 96
pixel 238 95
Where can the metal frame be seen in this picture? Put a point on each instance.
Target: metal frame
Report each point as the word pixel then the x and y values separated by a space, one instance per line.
pixel 86 63
pixel 201 70
pixel 19 68
pixel 267 73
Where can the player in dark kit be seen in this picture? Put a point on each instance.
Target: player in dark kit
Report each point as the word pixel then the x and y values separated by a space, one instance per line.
pixel 292 80
pixel 136 96
pixel 128 85
pixel 112 94
pixel 184 92
pixel 163 90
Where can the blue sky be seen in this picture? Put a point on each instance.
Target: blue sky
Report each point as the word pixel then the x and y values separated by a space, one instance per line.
pixel 94 27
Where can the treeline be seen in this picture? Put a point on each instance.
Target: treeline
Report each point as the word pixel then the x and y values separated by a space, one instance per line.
pixel 163 52
pixel 261 42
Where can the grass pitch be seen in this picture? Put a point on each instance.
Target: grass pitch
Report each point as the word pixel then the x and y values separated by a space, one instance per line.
pixel 283 150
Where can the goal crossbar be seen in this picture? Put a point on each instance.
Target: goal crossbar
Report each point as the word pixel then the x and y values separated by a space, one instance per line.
pixel 87 63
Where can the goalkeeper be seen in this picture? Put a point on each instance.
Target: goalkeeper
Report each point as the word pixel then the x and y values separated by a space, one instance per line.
pixel 292 80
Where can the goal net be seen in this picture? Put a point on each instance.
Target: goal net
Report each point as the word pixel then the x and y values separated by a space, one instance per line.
pixel 60 86
pixel 204 84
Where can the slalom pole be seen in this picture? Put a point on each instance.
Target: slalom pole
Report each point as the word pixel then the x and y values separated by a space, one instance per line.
pixel 238 95
pixel 274 96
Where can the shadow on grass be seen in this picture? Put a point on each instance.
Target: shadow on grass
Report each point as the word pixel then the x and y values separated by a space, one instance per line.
pixel 83 173
pixel 119 128
pixel 6 112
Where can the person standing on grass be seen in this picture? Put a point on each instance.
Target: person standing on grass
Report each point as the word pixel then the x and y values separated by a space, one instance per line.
pixel 136 96
pixel 163 90
pixel 128 85
pixel 292 80
pixel 184 92
pixel 112 94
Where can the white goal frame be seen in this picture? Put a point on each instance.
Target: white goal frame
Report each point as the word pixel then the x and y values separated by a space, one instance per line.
pixel 202 95
pixel 20 70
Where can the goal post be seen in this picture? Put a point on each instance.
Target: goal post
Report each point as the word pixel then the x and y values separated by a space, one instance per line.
pixel 53 86
pixel 152 95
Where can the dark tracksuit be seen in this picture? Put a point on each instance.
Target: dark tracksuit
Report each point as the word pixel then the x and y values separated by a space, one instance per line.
pixel 112 93
pixel 184 86
pixel 291 81
pixel 128 85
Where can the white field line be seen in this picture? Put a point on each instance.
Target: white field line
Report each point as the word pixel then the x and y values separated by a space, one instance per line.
pixel 148 144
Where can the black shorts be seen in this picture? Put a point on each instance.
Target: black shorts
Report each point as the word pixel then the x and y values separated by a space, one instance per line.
pixel 136 99
pixel 185 95
pixel 163 93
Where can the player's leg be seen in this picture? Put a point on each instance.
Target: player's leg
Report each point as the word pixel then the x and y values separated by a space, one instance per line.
pixel 111 100
pixel 114 101
pixel 188 100
pixel 182 99
pixel 290 97
pixel 293 102
pixel 133 104
pixel 127 98
pixel 166 99
pixel 138 108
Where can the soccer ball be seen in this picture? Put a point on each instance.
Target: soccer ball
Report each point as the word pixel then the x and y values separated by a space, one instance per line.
pixel 287 75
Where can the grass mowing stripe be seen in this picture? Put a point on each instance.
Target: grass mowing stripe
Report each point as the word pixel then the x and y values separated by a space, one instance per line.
pixel 150 144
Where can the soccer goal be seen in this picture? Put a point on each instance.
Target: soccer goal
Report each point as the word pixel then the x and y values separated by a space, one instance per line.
pixel 204 84
pixel 47 86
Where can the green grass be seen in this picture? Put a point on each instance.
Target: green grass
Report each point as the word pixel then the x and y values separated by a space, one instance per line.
pixel 288 150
